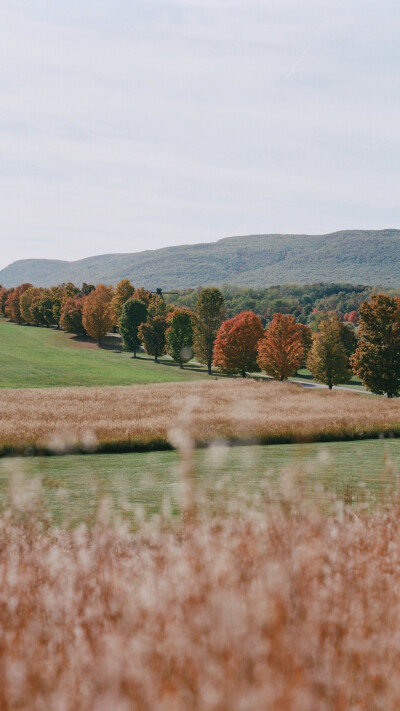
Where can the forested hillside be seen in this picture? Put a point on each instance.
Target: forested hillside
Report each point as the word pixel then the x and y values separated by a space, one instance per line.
pixel 367 257
pixel 303 302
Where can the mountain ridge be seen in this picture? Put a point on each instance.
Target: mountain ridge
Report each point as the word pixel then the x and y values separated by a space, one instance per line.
pixel 356 256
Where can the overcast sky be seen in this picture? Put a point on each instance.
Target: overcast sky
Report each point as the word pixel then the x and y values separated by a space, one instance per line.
pixel 135 124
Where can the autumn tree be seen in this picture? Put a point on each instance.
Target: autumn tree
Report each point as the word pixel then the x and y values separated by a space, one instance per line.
pixel 123 291
pixel 306 340
pixel 97 315
pixel 144 295
pixel 4 293
pixel 348 338
pixel 46 306
pixel 328 360
pixel 377 358
pixel 179 335
pixel 134 313
pixel 352 317
pixel 235 348
pixel 152 333
pixel 280 351
pixel 12 307
pixel 58 297
pixel 207 319
pixel 71 315
pixel 30 306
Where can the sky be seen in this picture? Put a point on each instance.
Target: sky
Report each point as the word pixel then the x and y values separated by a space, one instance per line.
pixel 128 125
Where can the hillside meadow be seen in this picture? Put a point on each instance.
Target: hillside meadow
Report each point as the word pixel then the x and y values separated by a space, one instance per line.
pixel 159 416
pixel 45 357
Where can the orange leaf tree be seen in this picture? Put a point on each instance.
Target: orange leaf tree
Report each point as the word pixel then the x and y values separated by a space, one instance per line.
pixel 13 303
pixel 71 315
pixel 377 358
pixel 98 315
pixel 235 348
pixel 281 351
pixel 123 291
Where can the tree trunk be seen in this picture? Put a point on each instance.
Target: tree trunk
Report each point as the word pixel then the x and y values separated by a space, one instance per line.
pixel 330 386
pixel 181 364
pixel 155 359
pixel 243 373
pixel 134 352
pixel 389 395
pixel 209 367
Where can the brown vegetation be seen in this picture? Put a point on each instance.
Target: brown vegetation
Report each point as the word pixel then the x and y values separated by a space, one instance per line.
pixel 142 416
pixel 279 608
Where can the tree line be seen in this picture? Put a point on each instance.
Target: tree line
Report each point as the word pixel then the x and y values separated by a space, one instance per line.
pixel 366 342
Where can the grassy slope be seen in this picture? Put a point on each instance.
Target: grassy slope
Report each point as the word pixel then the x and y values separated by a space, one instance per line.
pixel 146 479
pixel 40 357
pixel 362 257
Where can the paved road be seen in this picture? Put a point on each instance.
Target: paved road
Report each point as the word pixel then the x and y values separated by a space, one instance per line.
pixel 312 384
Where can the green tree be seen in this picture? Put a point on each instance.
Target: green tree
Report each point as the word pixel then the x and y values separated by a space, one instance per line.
pixel 152 333
pixel 208 317
pixel 133 314
pixel 377 358
pixel 327 359
pixel 179 335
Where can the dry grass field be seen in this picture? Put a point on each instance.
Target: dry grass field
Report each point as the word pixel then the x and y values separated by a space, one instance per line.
pixel 279 608
pixel 153 416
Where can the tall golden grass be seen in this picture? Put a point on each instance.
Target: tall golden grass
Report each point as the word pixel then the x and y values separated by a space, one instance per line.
pixel 143 416
pixel 279 608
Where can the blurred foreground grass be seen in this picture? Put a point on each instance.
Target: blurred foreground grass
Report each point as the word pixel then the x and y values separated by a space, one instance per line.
pixel 359 473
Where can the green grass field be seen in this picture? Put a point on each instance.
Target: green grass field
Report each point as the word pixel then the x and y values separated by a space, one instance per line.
pixel 73 485
pixel 40 357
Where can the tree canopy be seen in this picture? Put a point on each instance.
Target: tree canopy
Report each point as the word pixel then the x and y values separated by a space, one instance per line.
pixel 281 351
pixel 377 358
pixel 235 349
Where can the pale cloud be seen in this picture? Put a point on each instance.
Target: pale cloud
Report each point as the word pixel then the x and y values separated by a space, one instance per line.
pixel 129 125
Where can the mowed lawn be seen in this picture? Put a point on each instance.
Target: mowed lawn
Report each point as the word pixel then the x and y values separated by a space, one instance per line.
pixel 73 485
pixel 43 358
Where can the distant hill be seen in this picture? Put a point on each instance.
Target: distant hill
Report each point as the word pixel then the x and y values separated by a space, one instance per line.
pixel 355 256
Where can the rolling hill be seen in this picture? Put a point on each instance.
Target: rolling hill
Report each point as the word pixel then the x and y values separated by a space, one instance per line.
pixel 355 256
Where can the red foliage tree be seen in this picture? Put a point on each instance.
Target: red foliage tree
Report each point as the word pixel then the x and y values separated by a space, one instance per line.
pixel 12 307
pixel 352 317
pixel 4 294
pixel 281 351
pixel 235 348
